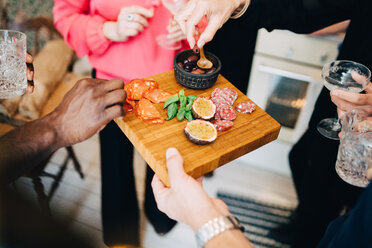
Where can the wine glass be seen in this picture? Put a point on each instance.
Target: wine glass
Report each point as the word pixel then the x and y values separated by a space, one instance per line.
pixel 13 80
pixel 344 75
pixel 173 6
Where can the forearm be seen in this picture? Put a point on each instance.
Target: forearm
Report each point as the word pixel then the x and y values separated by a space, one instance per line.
pixel 25 147
pixel 231 238
pixel 299 16
pixel 82 31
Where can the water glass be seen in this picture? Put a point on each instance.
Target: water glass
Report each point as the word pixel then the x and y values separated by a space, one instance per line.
pixel 13 79
pixel 355 150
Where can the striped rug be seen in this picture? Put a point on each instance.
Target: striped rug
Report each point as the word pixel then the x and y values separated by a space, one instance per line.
pixel 258 218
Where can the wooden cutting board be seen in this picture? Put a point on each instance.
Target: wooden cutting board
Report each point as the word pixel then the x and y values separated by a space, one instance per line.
pixel 250 131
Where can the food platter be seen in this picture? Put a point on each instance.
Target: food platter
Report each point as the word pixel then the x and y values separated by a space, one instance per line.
pixel 250 131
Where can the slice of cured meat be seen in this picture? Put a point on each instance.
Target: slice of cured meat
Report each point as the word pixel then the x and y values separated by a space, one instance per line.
pixel 217 115
pixel 157 95
pixel 223 125
pixel 128 108
pixel 226 112
pixel 224 96
pixel 147 112
pixel 218 100
pixel 136 88
pixel 246 107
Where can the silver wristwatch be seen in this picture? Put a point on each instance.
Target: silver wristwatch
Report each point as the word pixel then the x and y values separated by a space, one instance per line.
pixel 216 226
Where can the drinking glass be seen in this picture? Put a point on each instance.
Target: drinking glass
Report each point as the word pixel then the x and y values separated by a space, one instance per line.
pixel 173 6
pixel 13 79
pixel 355 151
pixel 344 75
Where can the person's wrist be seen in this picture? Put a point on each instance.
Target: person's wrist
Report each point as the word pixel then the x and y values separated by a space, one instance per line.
pixel 203 216
pixel 49 128
pixel 109 30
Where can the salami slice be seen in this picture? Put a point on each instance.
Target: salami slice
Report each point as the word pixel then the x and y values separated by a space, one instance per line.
pixel 246 107
pixel 217 115
pixel 223 125
pixel 215 92
pixel 218 100
pixel 227 112
pixel 224 95
pixel 232 94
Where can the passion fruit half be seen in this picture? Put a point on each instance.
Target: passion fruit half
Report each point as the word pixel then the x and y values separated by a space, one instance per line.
pixel 203 108
pixel 200 132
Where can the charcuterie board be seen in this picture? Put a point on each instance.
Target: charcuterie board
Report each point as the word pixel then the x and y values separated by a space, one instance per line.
pixel 250 131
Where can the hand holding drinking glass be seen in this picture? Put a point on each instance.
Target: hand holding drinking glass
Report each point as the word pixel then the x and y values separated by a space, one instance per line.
pixel 347 76
pixel 13 70
pixel 354 158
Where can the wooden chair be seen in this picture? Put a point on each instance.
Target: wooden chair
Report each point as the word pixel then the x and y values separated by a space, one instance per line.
pixel 38 25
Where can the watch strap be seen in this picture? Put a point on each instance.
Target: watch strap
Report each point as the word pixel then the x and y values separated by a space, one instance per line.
pixel 216 226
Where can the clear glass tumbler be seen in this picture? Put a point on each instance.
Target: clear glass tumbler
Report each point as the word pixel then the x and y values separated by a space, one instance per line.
pixel 355 151
pixel 13 79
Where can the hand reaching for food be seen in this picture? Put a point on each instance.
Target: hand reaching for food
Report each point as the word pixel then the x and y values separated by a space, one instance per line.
pixel 216 12
pixel 131 21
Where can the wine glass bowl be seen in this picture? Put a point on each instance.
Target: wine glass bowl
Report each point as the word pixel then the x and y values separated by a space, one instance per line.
pixel 344 75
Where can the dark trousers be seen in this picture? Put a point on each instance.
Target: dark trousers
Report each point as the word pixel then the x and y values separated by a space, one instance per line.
pixel 321 192
pixel 120 211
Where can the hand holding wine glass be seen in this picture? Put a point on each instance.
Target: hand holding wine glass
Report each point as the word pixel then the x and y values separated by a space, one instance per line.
pixel 346 76
pixel 345 100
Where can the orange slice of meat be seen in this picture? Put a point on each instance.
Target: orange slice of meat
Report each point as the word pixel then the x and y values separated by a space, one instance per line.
pixel 137 87
pixel 157 95
pixel 147 112
pixel 128 107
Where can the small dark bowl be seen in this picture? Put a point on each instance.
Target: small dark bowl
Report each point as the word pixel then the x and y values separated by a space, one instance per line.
pixel 196 81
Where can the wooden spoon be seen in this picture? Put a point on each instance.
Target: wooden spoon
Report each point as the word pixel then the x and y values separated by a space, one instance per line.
pixel 203 62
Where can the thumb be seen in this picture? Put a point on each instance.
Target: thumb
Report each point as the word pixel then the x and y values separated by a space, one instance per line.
pixel 369 174
pixel 174 165
pixel 369 88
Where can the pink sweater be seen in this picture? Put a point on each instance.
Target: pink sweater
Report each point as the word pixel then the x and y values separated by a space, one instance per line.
pixel 80 22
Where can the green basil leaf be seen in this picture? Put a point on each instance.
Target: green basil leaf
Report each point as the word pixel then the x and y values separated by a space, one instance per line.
pixel 189 106
pixel 181 93
pixel 181 114
pixel 189 116
pixel 191 98
pixel 170 100
pixel 172 111
pixel 182 101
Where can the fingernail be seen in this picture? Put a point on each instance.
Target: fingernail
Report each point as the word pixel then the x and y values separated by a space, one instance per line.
pixel 171 152
pixel 334 92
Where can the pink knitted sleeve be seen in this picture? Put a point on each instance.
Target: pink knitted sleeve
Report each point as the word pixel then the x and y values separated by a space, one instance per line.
pixel 81 30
